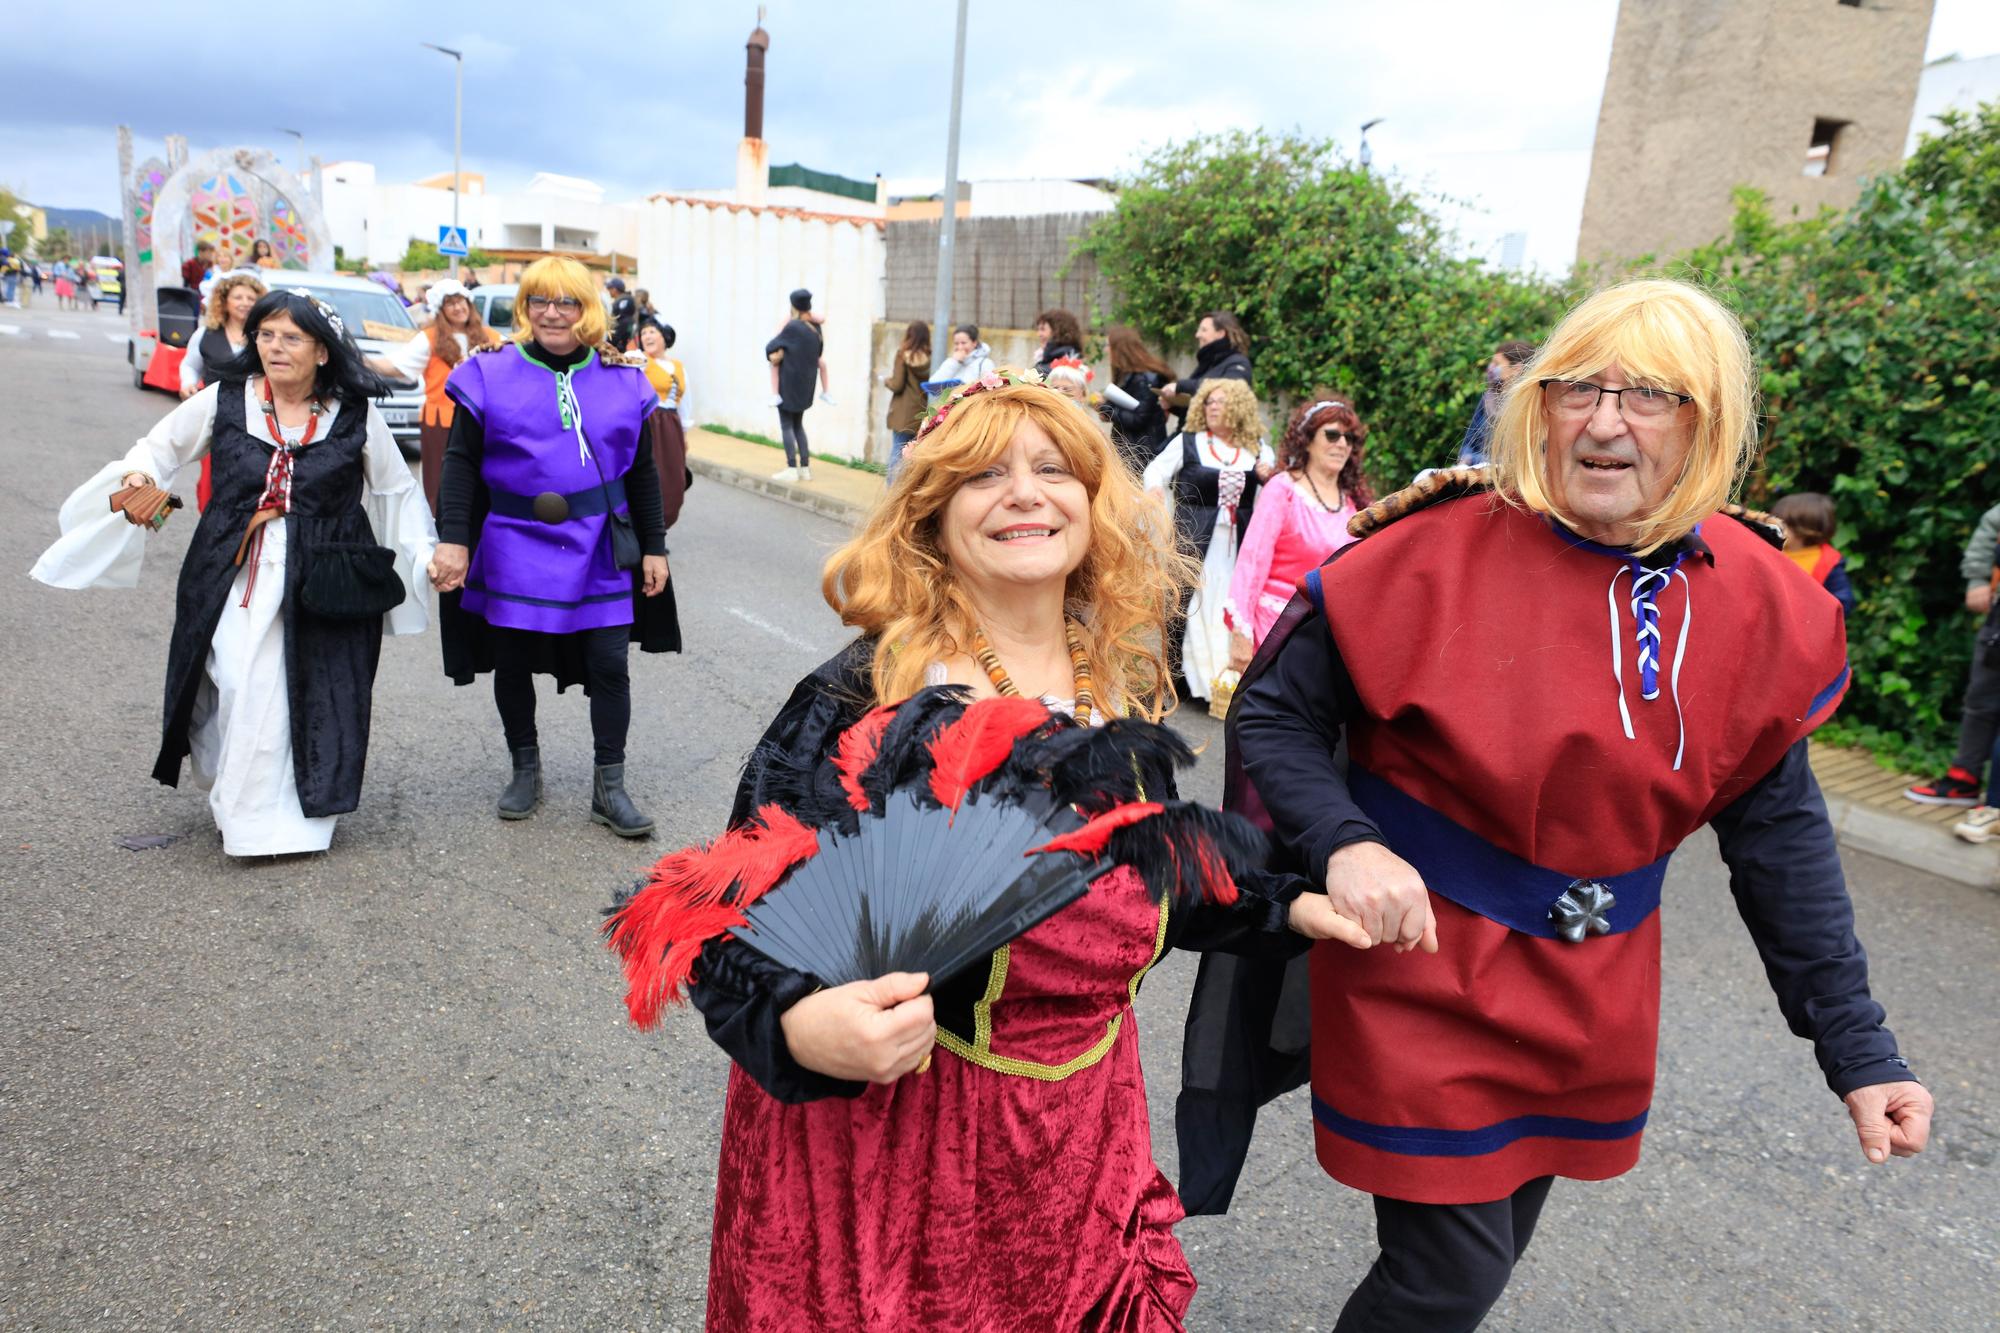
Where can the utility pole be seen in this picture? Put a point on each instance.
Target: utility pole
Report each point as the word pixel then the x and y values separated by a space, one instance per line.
pixel 457 122
pixel 948 227
pixel 1367 156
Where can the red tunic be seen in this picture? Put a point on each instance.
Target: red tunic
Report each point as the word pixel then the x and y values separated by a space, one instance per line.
pixel 1491 736
pixel 1011 1186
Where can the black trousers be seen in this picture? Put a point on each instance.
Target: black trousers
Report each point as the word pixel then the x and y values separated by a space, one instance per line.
pixel 608 680
pixel 1981 719
pixel 792 425
pixel 1442 1265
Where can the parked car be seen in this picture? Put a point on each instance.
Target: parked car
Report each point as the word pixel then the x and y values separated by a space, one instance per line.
pixel 495 304
pixel 375 319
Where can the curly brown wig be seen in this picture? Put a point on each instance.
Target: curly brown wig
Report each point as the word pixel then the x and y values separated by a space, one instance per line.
pixel 1324 408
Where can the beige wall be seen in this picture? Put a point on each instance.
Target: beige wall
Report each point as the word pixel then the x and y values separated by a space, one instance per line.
pixel 1706 95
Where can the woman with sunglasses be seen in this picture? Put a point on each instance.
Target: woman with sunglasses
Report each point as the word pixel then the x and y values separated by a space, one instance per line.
pixel 1300 519
pixel 552 521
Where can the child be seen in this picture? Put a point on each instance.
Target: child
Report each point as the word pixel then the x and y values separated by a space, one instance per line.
pixel 1809 521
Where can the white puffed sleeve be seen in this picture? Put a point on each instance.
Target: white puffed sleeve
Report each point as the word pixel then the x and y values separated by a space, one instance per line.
pixel 1166 465
pixel 401 518
pixel 98 548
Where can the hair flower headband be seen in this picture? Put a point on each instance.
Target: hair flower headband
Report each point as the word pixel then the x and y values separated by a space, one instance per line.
pixel 325 310
pixel 1073 363
pixel 992 379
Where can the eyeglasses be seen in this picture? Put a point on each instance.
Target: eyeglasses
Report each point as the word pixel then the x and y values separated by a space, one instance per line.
pixel 291 342
pixel 1334 435
pixel 1578 398
pixel 562 305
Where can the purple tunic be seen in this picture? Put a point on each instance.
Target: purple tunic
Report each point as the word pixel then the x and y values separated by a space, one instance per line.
pixel 554 578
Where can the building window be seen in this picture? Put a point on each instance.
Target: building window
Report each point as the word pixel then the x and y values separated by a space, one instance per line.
pixel 1825 144
pixel 1851 4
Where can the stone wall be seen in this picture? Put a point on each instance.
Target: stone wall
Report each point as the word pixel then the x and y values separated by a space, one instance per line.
pixel 1705 95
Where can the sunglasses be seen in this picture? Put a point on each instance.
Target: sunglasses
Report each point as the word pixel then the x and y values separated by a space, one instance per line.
pixel 1334 435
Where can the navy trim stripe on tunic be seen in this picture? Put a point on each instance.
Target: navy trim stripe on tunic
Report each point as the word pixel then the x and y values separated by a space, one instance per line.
pixel 1458 864
pixel 1416 1141
pixel 1827 695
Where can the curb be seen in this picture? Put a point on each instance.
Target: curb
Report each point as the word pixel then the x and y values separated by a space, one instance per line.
pixel 802 497
pixel 1928 848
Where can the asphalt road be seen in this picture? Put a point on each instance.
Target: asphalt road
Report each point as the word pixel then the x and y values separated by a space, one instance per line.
pixel 392 1086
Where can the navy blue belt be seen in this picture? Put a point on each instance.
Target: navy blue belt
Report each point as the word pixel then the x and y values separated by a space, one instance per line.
pixel 554 507
pixel 1458 864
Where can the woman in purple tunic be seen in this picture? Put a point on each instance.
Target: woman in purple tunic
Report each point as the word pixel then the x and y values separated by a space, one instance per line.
pixel 553 530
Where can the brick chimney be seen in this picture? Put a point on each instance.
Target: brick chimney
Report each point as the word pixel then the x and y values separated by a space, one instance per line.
pixel 753 156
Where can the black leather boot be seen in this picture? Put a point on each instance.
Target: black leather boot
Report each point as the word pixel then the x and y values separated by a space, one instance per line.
pixel 611 807
pixel 524 789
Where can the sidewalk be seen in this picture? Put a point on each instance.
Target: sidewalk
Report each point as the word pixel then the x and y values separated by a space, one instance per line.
pixel 1864 800
pixel 1870 815
pixel 842 493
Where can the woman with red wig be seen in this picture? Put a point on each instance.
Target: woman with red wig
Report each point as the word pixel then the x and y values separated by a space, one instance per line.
pixel 1300 520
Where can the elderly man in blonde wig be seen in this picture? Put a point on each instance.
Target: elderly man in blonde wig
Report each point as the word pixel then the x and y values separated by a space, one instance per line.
pixel 1543 676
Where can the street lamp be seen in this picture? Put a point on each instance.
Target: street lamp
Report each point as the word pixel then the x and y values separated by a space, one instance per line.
pixel 302 148
pixel 1367 156
pixel 457 121
pixel 948 221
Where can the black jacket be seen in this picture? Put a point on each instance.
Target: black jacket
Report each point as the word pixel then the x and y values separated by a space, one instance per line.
pixel 1140 431
pixel 799 371
pixel 1050 354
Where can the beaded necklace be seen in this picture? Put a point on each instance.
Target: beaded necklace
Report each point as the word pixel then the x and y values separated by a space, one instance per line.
pixel 982 653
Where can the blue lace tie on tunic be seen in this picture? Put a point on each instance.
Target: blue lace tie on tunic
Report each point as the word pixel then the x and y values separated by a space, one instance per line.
pixel 1646 585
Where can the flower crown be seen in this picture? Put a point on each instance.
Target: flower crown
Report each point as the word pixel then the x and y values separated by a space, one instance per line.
pixel 992 379
pixel 325 310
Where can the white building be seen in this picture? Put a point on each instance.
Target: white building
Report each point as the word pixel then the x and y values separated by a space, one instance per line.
pixel 1951 84
pixel 375 221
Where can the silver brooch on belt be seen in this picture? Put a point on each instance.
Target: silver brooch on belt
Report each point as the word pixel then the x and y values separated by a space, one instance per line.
pixel 1583 910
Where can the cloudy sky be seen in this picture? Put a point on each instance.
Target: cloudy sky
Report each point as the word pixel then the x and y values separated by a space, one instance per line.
pixel 1489 103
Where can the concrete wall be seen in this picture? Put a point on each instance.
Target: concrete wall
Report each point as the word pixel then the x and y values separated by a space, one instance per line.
pixel 1706 95
pixel 1003 270
pixel 720 274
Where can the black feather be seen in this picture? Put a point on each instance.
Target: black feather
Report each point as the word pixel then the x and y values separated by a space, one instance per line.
pixel 904 755
pixel 1168 850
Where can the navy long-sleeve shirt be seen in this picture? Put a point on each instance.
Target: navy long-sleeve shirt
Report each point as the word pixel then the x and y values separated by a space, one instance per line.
pixel 1784 866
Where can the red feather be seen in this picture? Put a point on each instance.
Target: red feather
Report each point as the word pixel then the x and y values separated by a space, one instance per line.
pixel 859 745
pixel 971 748
pixel 686 902
pixel 1090 839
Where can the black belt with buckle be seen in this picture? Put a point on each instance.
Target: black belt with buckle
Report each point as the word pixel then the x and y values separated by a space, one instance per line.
pixel 555 507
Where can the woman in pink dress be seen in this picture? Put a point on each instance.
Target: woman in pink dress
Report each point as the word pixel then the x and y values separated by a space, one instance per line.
pixel 1300 520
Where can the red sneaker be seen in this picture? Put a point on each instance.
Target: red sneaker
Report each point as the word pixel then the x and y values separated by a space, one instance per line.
pixel 1956 787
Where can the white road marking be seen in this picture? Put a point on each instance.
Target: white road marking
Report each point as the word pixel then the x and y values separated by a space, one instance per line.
pixel 11 330
pixel 63 333
pixel 760 623
pixel 114 337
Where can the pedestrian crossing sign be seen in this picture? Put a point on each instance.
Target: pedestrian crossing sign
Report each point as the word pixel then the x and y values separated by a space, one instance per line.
pixel 451 241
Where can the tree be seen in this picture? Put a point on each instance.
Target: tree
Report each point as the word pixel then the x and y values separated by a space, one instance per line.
pixel 56 245
pixel 422 256
pixel 1343 278
pixel 12 210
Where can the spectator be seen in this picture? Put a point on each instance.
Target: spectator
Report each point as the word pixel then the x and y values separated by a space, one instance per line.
pixel 642 301
pixel 1809 520
pixel 905 381
pixel 1139 432
pixel 194 270
pixel 1061 335
pixel 970 358
pixel 10 278
pixel 467 278
pixel 624 314
pixel 794 355
pixel 1301 517
pixel 262 256
pixel 1501 368
pixel 1222 353
pixel 1979 723
pixel 66 286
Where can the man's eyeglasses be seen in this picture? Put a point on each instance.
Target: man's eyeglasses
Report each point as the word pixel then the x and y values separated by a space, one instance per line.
pixel 1334 435
pixel 562 305
pixel 1578 398
pixel 291 342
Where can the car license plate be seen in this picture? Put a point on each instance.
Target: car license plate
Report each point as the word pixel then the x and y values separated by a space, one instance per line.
pixel 398 417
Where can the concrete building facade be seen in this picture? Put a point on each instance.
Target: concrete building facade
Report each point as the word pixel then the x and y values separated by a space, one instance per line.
pixel 1799 98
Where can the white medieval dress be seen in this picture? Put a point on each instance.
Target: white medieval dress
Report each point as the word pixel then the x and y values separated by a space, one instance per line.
pixel 268 702
pixel 1214 488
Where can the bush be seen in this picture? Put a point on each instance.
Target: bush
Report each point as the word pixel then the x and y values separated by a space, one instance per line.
pixel 422 256
pixel 1342 277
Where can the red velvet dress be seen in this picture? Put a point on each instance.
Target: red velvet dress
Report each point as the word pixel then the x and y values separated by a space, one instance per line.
pixel 1011 1186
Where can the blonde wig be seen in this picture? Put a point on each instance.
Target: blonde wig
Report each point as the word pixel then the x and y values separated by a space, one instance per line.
pixel 217 314
pixel 1671 335
pixel 893 581
pixel 1242 419
pixel 559 276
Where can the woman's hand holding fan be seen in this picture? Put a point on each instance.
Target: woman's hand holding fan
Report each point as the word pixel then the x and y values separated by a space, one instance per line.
pixel 866 1031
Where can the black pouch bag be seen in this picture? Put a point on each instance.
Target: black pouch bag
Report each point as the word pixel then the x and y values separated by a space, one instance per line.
pixel 351 581
pixel 625 552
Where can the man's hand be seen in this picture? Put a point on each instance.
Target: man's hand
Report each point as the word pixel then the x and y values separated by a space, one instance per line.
pixel 654 569
pixel 1312 916
pixel 866 1031
pixel 448 564
pixel 1979 599
pixel 1381 892
pixel 1892 1119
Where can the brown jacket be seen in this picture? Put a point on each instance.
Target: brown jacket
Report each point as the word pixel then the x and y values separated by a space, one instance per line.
pixel 906 392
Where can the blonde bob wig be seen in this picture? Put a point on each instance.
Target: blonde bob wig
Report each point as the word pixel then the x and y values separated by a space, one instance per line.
pixel 559 276
pixel 1671 335
pixel 217 314
pixel 894 582
pixel 1242 419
